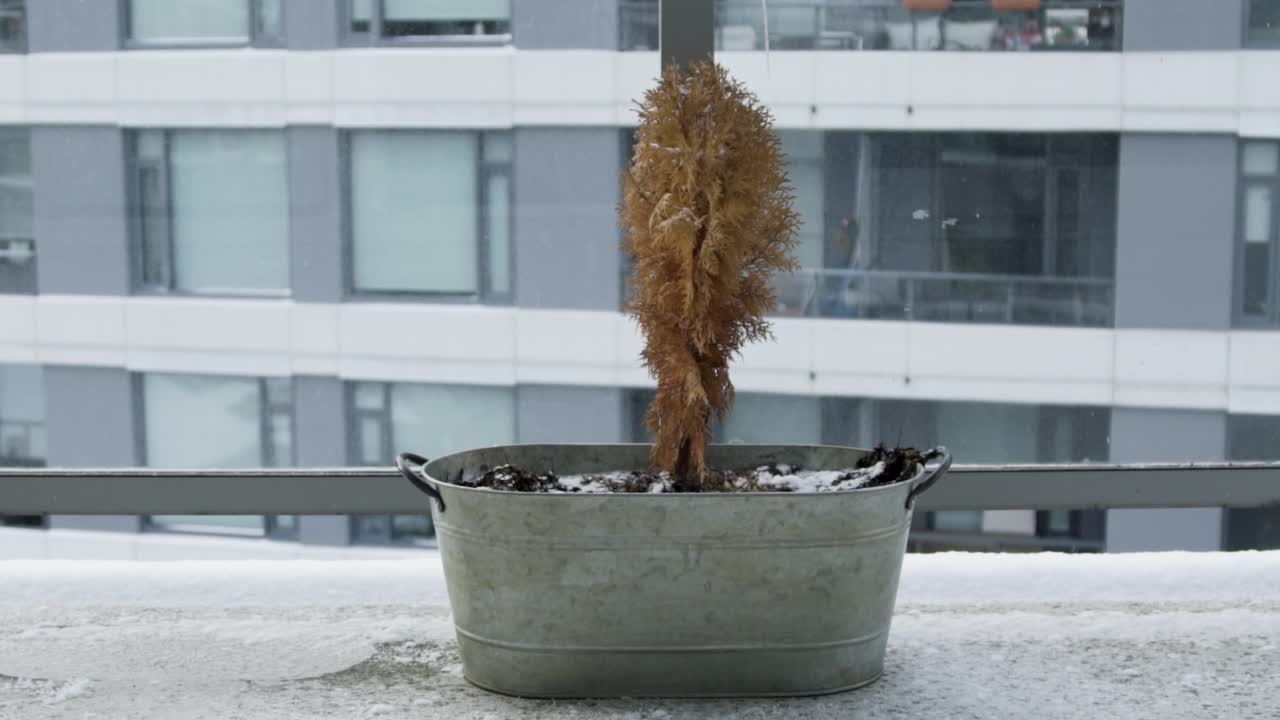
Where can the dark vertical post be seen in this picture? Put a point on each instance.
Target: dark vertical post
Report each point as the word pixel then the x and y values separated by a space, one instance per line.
pixel 686 31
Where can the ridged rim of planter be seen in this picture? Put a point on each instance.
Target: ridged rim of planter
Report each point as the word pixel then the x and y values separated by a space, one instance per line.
pixel 918 479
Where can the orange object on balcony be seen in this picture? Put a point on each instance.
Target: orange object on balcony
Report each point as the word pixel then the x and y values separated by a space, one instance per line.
pixel 926 4
pixel 1015 4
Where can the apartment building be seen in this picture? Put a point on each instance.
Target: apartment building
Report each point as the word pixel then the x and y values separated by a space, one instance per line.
pixel 314 232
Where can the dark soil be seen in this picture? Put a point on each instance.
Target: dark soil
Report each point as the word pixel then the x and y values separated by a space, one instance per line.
pixel 899 464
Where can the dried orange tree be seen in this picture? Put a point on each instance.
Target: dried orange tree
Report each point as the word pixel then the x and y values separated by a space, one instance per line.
pixel 708 215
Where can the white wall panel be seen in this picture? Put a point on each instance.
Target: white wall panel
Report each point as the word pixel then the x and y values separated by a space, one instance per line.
pixel 17 329
pixel 1227 91
pixel 73 329
pixel 504 346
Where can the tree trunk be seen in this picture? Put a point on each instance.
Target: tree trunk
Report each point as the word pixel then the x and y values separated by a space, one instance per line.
pixel 682 478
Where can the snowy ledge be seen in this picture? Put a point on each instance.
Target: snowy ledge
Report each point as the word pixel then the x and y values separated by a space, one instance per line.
pixel 1168 635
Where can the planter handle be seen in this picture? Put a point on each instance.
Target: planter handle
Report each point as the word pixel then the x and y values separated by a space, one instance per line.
pixel 929 478
pixel 410 466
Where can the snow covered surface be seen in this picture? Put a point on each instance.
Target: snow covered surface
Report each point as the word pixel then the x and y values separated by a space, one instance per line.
pixel 62 544
pixel 1173 635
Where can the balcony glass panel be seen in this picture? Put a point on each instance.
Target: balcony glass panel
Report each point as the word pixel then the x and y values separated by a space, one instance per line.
pixel 974 25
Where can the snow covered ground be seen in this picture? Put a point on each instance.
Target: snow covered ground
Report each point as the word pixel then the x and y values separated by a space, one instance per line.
pixel 975 636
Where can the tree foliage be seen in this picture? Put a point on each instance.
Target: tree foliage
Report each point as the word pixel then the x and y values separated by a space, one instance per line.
pixel 708 214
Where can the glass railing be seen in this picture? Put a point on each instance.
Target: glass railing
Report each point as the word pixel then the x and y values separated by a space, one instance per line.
pixel 892 25
pixel 946 297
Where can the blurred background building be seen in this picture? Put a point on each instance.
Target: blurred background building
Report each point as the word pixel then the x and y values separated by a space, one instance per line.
pixel 316 232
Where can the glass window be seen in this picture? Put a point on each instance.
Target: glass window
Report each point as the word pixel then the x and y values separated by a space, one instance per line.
pixel 1264 23
pixel 434 420
pixel 1261 158
pixel 207 421
pixel 422 220
pixel 17 236
pixel 1260 167
pixel 189 21
pixel 431 420
pixel 22 431
pixel 1253 438
pixel 1000 433
pixel 205 22
pixel 804 153
pixel 967 25
pixel 269 17
pixel 212 211
pixel 1257 214
pixel 13 26
pixel 956 227
pixel 458 20
pixel 757 418
pixel 985 433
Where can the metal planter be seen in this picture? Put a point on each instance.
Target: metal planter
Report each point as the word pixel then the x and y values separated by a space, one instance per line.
pixel 694 595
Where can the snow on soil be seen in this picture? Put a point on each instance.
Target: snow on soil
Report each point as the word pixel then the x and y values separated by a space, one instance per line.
pixel 767 477
pixel 1169 636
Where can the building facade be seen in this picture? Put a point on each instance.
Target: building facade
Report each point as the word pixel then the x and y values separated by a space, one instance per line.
pixel 316 232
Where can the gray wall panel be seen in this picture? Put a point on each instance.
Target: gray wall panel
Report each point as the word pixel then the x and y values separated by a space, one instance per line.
pixel 320 438
pixel 73 25
pixel 1146 435
pixel 311 24
pixel 82 232
pixel 563 414
pixel 1183 24
pixel 564 24
pixel 315 214
pixel 566 224
pixel 1174 241
pixel 90 418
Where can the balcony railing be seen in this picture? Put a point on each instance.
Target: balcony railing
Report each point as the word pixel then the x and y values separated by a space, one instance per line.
pixel 382 491
pixel 947 297
pixel 889 25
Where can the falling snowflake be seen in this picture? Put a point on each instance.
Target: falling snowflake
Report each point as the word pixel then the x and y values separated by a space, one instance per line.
pixel 920 214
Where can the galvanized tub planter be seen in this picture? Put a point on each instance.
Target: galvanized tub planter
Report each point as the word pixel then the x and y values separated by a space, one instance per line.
pixel 668 595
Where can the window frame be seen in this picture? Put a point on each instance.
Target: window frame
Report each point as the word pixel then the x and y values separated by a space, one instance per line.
pixel 137 222
pixel 484 294
pixel 24 42
pixel 255 38
pixel 1241 318
pixel 374 36
pixel 272 528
